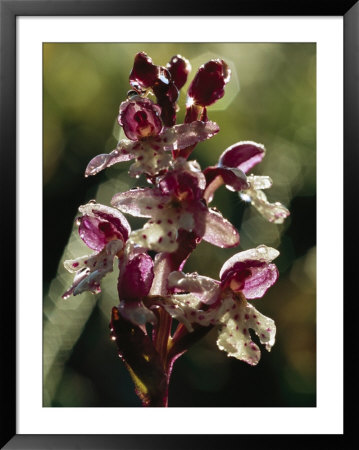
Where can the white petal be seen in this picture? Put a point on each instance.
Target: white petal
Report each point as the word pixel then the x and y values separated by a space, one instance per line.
pixel 141 202
pixel 186 308
pixel 234 335
pixel 150 159
pixel 259 182
pixel 206 289
pixel 92 269
pixel 74 265
pixel 158 237
pixel 273 212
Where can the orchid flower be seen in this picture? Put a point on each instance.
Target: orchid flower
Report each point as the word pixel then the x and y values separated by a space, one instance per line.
pixel 177 203
pixel 246 275
pixel 232 166
pixel 105 230
pixel 148 141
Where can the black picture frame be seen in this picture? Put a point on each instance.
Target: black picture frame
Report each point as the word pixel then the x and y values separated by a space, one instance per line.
pixel 9 10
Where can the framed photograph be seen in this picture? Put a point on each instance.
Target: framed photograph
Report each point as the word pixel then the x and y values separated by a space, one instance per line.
pixel 121 239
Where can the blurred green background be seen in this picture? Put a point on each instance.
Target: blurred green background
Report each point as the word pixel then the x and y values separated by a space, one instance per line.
pixel 270 99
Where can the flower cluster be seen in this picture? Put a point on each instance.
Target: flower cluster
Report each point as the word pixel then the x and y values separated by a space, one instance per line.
pixel 152 287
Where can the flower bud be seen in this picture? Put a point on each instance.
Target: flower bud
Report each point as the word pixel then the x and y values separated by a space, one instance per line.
pixel 140 118
pixel 179 69
pixel 208 85
pixel 144 73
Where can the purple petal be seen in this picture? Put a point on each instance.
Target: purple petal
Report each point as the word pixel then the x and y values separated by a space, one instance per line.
pixel 186 181
pixel 91 233
pixel 145 202
pixel 186 134
pixel 233 178
pixel 140 118
pixel 123 152
pixel 101 224
pixel 218 231
pixel 242 155
pixel 262 253
pixel 136 279
pixel 260 281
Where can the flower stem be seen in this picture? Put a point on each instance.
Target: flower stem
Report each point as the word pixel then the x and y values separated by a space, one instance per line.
pixel 162 333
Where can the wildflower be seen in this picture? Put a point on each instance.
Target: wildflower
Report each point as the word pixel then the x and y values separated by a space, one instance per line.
pixel 140 118
pixel 232 166
pixel 246 275
pixel 149 142
pixel 176 203
pixel 104 230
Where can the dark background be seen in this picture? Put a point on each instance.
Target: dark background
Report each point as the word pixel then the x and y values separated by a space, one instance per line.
pixel 271 99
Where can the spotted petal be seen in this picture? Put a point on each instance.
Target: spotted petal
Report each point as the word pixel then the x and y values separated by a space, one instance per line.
pixel 145 202
pixel 234 335
pixel 123 152
pixel 90 270
pixel 187 134
pixel 186 308
pixel 206 289
pixel 158 237
pixel 273 212
pixel 234 318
